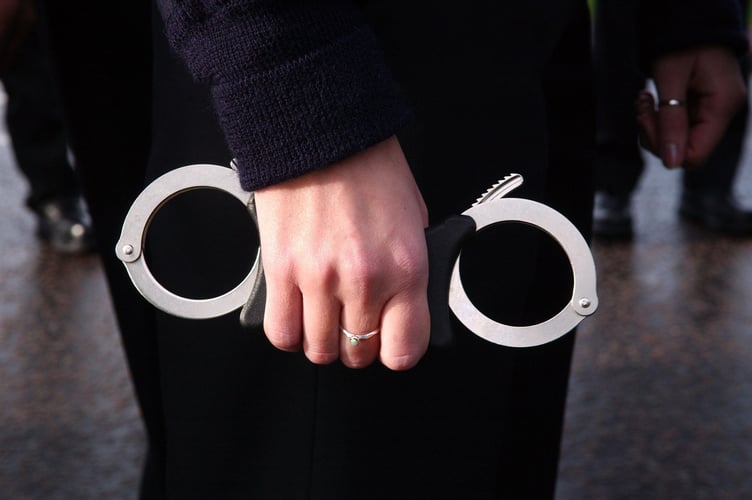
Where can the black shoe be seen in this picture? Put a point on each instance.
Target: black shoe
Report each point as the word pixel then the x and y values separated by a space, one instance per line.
pixel 612 216
pixel 717 211
pixel 64 224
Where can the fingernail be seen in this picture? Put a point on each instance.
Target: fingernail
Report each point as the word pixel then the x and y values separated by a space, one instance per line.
pixel 670 155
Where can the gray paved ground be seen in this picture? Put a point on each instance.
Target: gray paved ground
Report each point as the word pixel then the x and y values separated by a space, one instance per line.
pixel 660 403
pixel 69 428
pixel 661 394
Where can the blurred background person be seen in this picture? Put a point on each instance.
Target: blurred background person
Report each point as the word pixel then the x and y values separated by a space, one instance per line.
pixel 37 135
pixel 707 192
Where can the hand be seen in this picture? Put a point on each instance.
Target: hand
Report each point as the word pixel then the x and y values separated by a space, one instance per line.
pixel 345 245
pixel 16 20
pixel 709 83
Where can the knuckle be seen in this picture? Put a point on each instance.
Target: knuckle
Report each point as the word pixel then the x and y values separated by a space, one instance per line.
pixel 321 357
pixel 360 269
pixel 400 362
pixel 277 262
pixel 406 356
pixel 316 275
pixel 357 363
pixel 402 265
pixel 283 340
pixel 361 282
pixel 412 272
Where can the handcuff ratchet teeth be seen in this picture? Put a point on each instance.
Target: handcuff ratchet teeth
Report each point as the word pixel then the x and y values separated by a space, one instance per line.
pixel 444 246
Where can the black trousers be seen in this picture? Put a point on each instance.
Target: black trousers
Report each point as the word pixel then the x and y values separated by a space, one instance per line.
pixel 619 163
pixel 228 415
pixel 35 124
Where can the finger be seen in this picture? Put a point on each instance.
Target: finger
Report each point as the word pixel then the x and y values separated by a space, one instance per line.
pixel 321 311
pixel 672 81
pixel 673 130
pixel 710 122
pixel 703 139
pixel 283 313
pixel 647 119
pixel 405 326
pixel 360 318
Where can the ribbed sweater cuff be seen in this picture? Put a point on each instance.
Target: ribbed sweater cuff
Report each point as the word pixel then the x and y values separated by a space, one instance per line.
pixel 309 113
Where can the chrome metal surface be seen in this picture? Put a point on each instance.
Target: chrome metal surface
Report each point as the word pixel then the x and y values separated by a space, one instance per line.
pixel 491 209
pixel 356 339
pixel 129 248
pixel 500 189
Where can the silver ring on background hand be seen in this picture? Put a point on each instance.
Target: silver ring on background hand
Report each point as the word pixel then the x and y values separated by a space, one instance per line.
pixel 356 339
pixel 670 102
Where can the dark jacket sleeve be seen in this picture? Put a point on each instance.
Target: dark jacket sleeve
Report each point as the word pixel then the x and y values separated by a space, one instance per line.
pixel 297 85
pixel 670 25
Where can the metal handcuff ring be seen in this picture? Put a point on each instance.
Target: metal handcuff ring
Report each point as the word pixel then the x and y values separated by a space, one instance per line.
pixel 129 248
pixel 584 299
pixel 490 209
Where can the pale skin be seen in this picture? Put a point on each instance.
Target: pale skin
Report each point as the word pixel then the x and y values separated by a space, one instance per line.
pixel 345 245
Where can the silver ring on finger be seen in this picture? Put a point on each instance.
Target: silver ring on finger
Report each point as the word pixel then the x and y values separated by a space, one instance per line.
pixel 356 339
pixel 670 102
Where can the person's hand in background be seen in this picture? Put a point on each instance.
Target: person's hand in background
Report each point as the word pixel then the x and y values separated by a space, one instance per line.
pixel 699 91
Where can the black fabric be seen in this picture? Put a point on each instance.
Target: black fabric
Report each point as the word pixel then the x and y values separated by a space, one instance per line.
pixel 618 79
pixel 231 417
pixel 274 67
pixel 671 25
pixel 101 55
pixel 445 242
pixel 300 431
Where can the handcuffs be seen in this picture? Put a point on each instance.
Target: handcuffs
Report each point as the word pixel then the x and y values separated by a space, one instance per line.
pixel 444 247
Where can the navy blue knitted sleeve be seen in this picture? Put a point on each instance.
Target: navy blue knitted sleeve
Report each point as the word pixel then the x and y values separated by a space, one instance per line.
pixel 297 85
